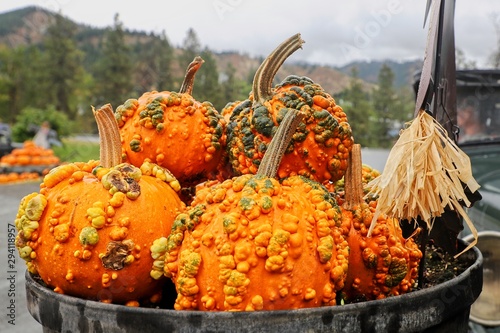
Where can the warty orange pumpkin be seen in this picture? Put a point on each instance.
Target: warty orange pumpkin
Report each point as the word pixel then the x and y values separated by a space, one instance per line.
pixel 253 243
pixel 88 231
pixel 384 264
pixel 174 130
pixel 321 144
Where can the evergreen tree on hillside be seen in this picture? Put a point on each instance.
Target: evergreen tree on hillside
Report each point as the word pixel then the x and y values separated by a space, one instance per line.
pixel 206 85
pixel 229 85
pixel 63 65
pixel 154 65
pixel 165 54
pixel 357 106
pixel 22 81
pixel 191 47
pixel 11 80
pixel 386 107
pixel 234 89
pixel 113 71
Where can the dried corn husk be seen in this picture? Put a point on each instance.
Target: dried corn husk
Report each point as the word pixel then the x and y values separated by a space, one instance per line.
pixel 423 175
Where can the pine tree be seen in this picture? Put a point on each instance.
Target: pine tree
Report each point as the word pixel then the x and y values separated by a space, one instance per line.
pixel 22 81
pixel 63 65
pixel 191 48
pixel 357 106
pixel 114 69
pixel 234 89
pixel 154 62
pixel 229 85
pixel 386 107
pixel 206 86
pixel 165 53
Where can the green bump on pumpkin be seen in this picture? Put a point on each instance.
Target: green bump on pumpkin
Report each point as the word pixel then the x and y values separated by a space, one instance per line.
pixel 246 203
pixel 35 207
pixel 190 262
pixel 159 247
pixel 89 236
pixel 195 213
pixel 325 249
pixel 135 145
pixel 97 215
pixel 369 258
pixel 229 224
pixel 158 250
pixel 266 203
pixel 25 252
pixel 262 121
pixel 397 272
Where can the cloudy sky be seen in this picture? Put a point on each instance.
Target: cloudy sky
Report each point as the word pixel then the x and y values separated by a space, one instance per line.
pixel 336 32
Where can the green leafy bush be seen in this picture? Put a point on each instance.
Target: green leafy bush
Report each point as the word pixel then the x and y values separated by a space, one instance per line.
pixel 28 121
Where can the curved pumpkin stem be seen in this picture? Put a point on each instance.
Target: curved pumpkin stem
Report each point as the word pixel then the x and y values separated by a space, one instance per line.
pixel 353 179
pixel 109 136
pixel 263 79
pixel 187 84
pixel 279 143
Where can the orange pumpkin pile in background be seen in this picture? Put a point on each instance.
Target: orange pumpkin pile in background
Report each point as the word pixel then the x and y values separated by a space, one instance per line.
pixel 29 162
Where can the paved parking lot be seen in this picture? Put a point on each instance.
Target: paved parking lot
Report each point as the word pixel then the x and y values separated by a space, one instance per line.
pixel 14 315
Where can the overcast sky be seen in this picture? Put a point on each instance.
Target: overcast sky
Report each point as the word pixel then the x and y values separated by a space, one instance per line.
pixel 336 32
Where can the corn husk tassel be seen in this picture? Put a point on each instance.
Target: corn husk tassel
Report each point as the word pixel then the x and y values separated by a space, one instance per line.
pixel 424 174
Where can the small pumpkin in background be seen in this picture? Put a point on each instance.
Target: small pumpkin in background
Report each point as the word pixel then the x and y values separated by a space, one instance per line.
pixel 174 130
pixel 88 231
pixel 253 243
pixel 320 147
pixel 384 264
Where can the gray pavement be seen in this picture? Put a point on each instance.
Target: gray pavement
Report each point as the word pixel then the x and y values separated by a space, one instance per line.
pixel 14 315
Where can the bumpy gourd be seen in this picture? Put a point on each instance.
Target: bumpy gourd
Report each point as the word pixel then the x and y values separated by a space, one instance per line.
pixel 88 231
pixel 383 265
pixel 321 144
pixel 174 130
pixel 253 243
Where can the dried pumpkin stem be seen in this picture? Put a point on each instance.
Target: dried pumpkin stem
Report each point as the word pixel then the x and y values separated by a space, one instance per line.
pixel 187 84
pixel 279 143
pixel 264 76
pixel 109 136
pixel 353 179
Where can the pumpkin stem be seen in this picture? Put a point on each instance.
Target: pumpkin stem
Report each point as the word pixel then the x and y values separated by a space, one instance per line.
pixel 109 136
pixel 276 149
pixel 187 84
pixel 264 76
pixel 353 179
